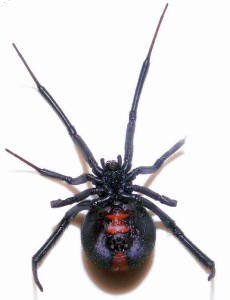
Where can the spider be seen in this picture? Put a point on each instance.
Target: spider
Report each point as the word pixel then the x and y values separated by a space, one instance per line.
pixel 118 233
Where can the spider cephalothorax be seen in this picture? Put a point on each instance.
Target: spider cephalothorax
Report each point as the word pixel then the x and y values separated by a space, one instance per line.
pixel 118 233
pixel 113 176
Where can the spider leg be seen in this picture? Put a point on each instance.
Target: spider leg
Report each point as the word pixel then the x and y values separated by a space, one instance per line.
pixel 161 198
pixel 77 198
pixel 74 135
pixel 178 233
pixel 101 201
pixel 133 112
pixel 38 256
pixel 74 181
pixel 158 163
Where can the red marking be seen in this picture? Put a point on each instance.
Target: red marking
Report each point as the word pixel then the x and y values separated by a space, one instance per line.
pixel 120 262
pixel 117 225
pixel 117 216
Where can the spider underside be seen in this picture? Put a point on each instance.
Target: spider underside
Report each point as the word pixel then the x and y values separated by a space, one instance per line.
pixel 112 180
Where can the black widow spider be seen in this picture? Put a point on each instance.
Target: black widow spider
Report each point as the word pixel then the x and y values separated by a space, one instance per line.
pixel 118 233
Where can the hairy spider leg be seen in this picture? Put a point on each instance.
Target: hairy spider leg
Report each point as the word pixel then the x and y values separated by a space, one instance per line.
pixel 161 198
pixel 70 180
pixel 133 112
pixel 178 233
pixel 158 163
pixel 38 256
pixel 74 135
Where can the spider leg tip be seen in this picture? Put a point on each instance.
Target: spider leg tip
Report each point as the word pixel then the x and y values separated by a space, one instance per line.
pixel 15 47
pixel 212 274
pixel 35 275
pixel 55 203
pixel 40 286
pixel 182 141
pixel 9 151
pixel 174 203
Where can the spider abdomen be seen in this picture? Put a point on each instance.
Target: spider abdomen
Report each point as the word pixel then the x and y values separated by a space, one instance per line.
pixel 118 237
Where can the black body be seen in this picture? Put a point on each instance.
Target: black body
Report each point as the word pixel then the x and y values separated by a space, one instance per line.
pixel 134 237
pixel 118 233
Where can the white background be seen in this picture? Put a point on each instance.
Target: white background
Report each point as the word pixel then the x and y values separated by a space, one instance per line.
pixel 88 54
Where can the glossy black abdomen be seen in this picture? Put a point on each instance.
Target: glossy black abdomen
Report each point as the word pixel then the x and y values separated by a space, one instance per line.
pixel 118 237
